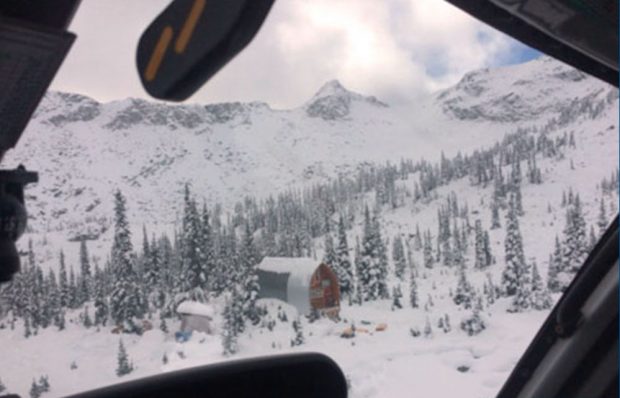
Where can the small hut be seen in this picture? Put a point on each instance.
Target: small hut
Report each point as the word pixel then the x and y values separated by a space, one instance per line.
pixel 195 317
pixel 305 283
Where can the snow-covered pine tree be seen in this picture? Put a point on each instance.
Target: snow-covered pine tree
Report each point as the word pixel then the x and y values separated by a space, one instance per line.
pixel 446 324
pixel 73 296
pixel 518 200
pixel 458 251
pixel 208 256
pixel 417 239
pixel 63 282
pixel 398 256
pixel 367 275
pixel 123 364
pixel 555 267
pixel 329 257
pixel 487 249
pixel 428 250
pixel 358 285
pixel 540 298
pixel 343 268
pixel 522 300
pixel 513 248
pixel 84 291
pixel 396 296
pixel 373 265
pixel 480 259
pixel 574 244
pixel 194 272
pixel 592 239
pixel 602 220
pixel 248 258
pixel 495 223
pixel 474 324
pixel 231 326
pixel 463 295
pixel 35 390
pixel 100 298
pixel 382 258
pixel 86 320
pixel 126 302
pixel 56 313
pixel 413 291
pixel 299 333
pixel 428 329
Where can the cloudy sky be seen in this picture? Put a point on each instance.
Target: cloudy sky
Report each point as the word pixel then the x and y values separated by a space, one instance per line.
pixel 394 49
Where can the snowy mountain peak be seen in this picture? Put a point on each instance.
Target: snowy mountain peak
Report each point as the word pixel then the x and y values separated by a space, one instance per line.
pixel 333 101
pixel 332 87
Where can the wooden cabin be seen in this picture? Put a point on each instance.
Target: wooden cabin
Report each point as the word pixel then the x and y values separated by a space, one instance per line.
pixel 305 283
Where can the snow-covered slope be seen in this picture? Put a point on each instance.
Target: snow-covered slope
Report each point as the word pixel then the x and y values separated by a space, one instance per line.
pixel 84 149
pixel 150 150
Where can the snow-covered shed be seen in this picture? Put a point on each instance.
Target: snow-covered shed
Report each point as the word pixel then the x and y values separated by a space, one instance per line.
pixel 195 316
pixel 305 283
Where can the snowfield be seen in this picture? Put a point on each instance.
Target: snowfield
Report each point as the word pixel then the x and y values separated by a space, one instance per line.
pixel 227 151
pixel 378 364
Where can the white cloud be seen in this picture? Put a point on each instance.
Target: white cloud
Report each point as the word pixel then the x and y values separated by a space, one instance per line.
pixel 395 49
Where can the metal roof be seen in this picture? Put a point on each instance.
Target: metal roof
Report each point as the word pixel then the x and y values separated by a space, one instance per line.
pixel 298 272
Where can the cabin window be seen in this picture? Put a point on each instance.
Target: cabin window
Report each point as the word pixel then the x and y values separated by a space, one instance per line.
pixel 326 283
pixel 316 293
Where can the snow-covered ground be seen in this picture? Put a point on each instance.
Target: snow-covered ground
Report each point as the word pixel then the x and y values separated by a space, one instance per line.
pixel 232 150
pixel 390 363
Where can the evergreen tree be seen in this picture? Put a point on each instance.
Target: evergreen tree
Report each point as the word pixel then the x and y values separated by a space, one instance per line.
pixel 555 267
pixel 343 267
pixel 373 267
pixel 428 330
pixel 495 223
pixel 540 299
pixel 35 390
pixel 126 302
pixel 73 295
pixel 86 320
pixel 194 272
pixel 514 257
pixel 396 296
pixel 63 283
pixel 602 221
pixel 208 256
pixel 522 300
pixel 474 324
pixel 413 291
pixel 574 242
pixel 84 291
pixel 359 287
pixel 123 365
pixel 428 251
pixel 487 249
pixel 480 259
pixel 100 299
pixel 592 239
pixel 417 239
pixel 329 257
pixel 56 312
pixel 464 291
pixel 249 261
pixel 398 256
pixel 299 335
pixel 232 324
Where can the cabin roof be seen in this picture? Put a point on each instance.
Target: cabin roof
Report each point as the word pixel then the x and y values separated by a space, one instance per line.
pixel 300 268
pixel 189 307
